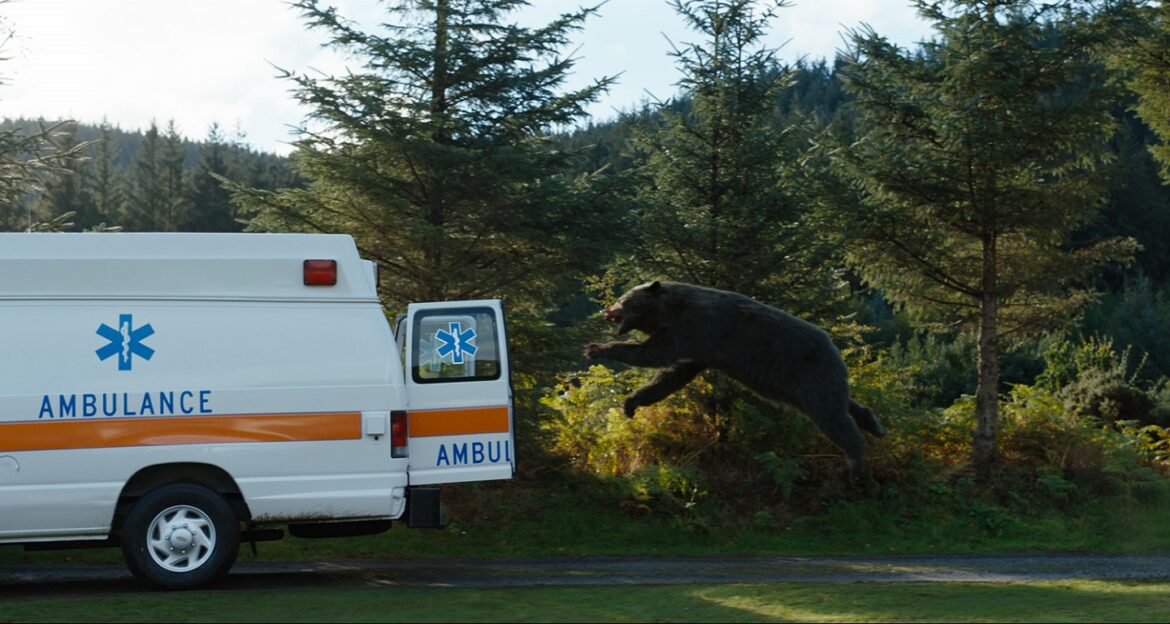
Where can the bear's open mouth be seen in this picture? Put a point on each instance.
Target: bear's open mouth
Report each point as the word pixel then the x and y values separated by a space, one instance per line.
pixel 617 318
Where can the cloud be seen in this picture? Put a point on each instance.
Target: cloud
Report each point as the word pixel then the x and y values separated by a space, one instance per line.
pixel 135 60
pixel 205 61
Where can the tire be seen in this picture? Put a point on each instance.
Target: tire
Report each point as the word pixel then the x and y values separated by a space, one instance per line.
pixel 180 536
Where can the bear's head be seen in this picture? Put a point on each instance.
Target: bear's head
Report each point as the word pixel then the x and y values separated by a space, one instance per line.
pixel 640 308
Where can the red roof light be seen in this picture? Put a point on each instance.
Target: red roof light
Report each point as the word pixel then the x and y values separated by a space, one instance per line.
pixel 320 272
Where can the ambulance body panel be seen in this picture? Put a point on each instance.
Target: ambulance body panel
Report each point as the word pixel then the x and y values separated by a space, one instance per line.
pixel 260 367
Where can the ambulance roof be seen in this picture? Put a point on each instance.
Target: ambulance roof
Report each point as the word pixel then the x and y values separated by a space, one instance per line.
pixel 178 266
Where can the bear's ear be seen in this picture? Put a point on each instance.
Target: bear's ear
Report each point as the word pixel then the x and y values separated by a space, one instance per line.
pixel 654 287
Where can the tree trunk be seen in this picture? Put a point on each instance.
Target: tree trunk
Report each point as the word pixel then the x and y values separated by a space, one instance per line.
pixel 434 197
pixel 986 446
pixel 439 79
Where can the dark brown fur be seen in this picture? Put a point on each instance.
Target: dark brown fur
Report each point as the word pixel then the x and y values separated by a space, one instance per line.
pixel 780 357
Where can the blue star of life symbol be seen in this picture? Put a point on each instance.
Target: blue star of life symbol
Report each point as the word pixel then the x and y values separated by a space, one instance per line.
pixel 125 341
pixel 456 342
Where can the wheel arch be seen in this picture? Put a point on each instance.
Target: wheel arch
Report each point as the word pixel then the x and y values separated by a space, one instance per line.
pixel 153 477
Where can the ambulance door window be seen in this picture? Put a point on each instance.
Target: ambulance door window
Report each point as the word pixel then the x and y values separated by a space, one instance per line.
pixel 455 344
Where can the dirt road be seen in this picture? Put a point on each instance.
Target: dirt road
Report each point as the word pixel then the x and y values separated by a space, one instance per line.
pixel 25 580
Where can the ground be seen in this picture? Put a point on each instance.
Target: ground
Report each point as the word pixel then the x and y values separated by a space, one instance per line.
pixel 23 580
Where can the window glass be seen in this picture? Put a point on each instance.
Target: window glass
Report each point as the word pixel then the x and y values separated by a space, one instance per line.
pixel 455 344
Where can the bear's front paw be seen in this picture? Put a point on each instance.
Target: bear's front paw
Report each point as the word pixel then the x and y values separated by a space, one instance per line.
pixel 593 350
pixel 630 406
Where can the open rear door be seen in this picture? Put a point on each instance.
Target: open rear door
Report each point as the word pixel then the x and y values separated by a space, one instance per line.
pixel 458 392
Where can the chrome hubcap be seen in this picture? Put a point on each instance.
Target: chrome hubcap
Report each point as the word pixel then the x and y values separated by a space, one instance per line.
pixel 181 538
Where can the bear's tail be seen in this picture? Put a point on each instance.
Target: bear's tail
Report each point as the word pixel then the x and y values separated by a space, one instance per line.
pixel 866 419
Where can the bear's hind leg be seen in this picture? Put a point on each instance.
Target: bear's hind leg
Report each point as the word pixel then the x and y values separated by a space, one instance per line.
pixel 866 419
pixel 831 415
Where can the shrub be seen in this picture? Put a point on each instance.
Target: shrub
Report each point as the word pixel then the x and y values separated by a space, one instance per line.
pixel 921 446
pixel 942 367
pixel 713 452
pixel 1096 383
pixel 590 428
pixel 1046 446
pixel 1138 316
pixel 711 437
pixel 1107 396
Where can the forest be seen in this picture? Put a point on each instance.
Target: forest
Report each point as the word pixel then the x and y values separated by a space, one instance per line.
pixel 99 178
pixel 981 223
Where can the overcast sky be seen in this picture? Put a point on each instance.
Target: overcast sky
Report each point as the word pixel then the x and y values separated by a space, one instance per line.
pixel 204 61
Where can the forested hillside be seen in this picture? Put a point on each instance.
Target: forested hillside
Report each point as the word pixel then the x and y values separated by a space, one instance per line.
pixel 981 223
pixel 152 180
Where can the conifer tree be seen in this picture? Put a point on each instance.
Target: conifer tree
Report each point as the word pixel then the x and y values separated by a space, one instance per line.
pixel 105 180
pixel 980 158
pixel 147 202
pixel 64 191
pixel 174 180
pixel 209 206
pixel 1144 51
pixel 724 205
pixel 435 153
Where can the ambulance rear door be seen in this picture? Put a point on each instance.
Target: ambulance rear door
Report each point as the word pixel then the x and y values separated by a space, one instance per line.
pixel 459 394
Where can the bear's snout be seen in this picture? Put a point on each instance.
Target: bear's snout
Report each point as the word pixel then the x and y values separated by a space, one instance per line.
pixel 617 315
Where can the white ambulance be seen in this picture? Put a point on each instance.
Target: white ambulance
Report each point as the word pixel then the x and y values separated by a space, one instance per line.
pixel 175 394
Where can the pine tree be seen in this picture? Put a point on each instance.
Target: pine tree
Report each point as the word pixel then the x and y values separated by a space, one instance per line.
pixel 436 155
pixel 980 158
pixel 148 200
pixel 28 159
pixel 105 180
pixel 724 205
pixel 64 191
pixel 174 181
pixel 209 205
pixel 1143 50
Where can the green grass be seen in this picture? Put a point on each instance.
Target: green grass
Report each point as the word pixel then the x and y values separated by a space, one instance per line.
pixel 565 524
pixel 1080 601
pixel 507 520
pixel 485 523
pixel 852 529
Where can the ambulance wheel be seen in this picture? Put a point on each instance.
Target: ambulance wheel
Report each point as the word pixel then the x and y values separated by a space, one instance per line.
pixel 180 536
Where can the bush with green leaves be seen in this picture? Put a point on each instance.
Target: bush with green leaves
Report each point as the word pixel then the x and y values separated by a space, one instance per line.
pixel 943 365
pixel 652 456
pixel 1054 447
pixel 712 441
pixel 714 453
pixel 717 442
pixel 1102 388
pixel 1097 383
pixel 1108 395
pixel 1051 454
pixel 1137 316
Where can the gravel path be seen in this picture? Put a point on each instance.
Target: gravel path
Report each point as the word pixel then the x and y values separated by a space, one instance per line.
pixel 17 580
